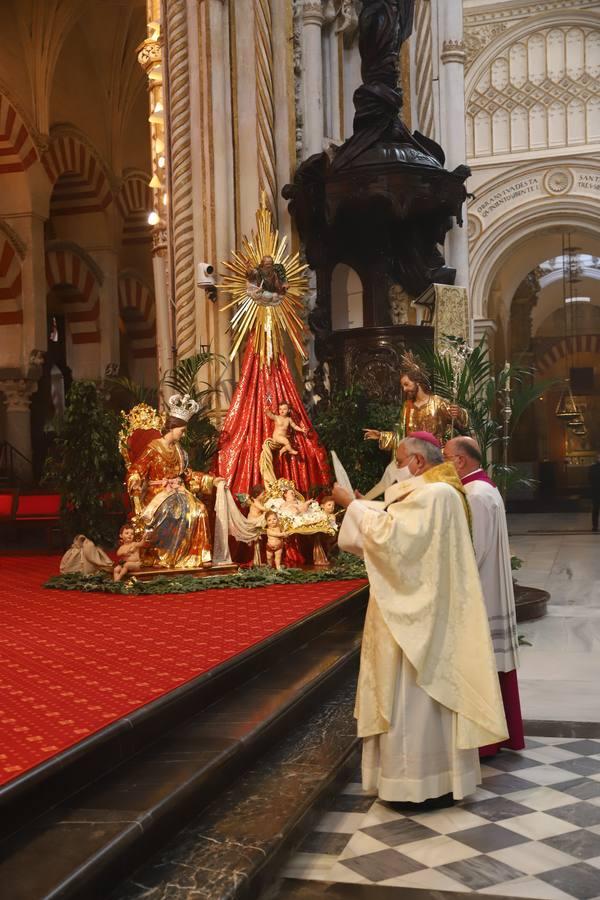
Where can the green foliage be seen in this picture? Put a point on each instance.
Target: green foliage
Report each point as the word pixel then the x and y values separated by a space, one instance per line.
pixel 201 437
pixel 86 467
pixel 470 379
pixel 340 425
pixel 130 393
pixel 345 568
pixel 515 563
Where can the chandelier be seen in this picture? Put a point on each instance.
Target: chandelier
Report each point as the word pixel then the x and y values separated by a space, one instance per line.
pixel 567 410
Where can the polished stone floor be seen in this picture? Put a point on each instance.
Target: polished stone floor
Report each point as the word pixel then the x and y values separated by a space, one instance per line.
pixel 533 828
pixel 560 673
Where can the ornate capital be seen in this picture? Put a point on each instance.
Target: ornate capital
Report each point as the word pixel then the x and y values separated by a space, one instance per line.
pixel 159 239
pixel 346 22
pixel 453 52
pixel 312 12
pixel 17 394
pixel 150 53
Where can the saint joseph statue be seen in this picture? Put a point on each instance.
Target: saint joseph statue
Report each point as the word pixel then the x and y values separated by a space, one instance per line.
pixel 422 410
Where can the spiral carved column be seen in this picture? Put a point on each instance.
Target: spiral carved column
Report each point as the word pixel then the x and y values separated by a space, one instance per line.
pixel 424 68
pixel 180 158
pixel 265 102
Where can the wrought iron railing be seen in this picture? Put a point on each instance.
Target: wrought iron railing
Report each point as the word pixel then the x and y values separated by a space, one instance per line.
pixel 9 463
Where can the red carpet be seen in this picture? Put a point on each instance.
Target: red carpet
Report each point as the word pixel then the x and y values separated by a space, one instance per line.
pixel 71 663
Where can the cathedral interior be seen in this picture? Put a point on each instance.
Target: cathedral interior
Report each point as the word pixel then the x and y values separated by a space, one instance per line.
pixel 138 139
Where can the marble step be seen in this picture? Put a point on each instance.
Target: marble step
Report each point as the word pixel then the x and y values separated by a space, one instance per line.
pixel 295 889
pixel 239 845
pixel 41 788
pixel 88 843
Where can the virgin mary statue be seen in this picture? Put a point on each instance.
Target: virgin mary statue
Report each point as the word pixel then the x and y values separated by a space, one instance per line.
pixel 257 444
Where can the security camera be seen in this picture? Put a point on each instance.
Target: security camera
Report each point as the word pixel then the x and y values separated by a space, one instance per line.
pixel 205 275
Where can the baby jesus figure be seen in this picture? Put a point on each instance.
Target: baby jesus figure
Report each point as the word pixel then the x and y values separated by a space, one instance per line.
pixel 291 505
pixel 129 551
pixel 283 423
pixel 274 540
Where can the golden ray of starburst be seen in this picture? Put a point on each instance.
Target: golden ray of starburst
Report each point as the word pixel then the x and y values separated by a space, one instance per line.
pixel 268 323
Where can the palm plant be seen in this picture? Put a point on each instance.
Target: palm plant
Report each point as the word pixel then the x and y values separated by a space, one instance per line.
pixel 469 378
pixel 131 392
pixel 201 436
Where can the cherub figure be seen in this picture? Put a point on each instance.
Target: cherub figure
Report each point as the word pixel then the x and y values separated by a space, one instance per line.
pixel 275 538
pixel 129 551
pixel 329 542
pixel 328 507
pixel 256 510
pixel 283 423
pixel 291 505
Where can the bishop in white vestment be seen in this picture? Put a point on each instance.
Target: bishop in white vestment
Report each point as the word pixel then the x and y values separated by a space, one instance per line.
pixel 428 693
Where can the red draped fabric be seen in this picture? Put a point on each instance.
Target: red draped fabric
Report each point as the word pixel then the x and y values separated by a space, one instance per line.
pixel 246 427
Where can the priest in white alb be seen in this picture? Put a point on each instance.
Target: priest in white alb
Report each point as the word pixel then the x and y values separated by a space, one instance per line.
pixel 492 551
pixel 428 695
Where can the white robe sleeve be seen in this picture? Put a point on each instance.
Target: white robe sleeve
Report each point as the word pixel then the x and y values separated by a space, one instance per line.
pixel 350 538
pixel 484 532
pixel 389 477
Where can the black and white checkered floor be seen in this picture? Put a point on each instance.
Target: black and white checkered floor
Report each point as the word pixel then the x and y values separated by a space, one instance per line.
pixel 531 830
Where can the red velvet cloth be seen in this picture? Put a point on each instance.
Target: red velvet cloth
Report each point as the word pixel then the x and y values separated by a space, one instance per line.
pixel 6 505
pixel 246 427
pixel 509 686
pixel 33 506
pixel 72 662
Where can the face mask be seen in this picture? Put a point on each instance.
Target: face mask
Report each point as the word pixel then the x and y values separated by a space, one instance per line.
pixel 403 473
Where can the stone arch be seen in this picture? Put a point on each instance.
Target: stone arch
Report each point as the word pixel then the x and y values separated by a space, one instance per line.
pixel 494 242
pixel 17 150
pixel 138 314
pixel 536 57
pixel 134 203
pixel 568 347
pixel 346 298
pixel 69 267
pixel 519 35
pixel 79 177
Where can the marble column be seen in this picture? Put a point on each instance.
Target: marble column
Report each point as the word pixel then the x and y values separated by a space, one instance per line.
pixel 164 336
pixel 17 398
pixel 30 229
pixel 312 74
pixel 108 319
pixel 451 51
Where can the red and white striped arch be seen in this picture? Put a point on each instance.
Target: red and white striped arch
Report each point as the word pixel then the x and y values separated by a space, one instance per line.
pixel 81 304
pixel 17 150
pixel 581 343
pixel 80 182
pixel 134 203
pixel 11 307
pixel 137 310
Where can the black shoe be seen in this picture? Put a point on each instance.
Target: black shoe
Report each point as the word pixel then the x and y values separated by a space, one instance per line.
pixel 433 803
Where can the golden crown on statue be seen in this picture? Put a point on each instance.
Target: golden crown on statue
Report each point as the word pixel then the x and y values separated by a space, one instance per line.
pixel 182 407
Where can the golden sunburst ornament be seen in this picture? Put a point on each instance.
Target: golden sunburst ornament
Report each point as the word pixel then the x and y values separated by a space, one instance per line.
pixel 267 286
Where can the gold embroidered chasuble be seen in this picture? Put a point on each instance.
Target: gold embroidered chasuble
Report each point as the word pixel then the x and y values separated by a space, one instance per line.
pixel 433 416
pixel 426 602
pixel 177 525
